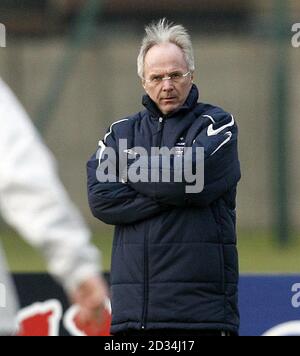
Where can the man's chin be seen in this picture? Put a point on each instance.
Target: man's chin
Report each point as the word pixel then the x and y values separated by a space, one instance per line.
pixel 169 108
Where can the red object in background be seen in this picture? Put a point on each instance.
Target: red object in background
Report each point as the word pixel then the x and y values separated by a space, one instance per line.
pixel 94 329
pixel 44 319
pixel 40 319
pixel 37 325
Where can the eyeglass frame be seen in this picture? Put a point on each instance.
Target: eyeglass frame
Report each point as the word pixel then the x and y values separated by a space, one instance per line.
pixel 182 76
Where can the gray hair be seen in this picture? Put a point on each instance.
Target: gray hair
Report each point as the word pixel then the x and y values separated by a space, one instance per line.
pixel 165 32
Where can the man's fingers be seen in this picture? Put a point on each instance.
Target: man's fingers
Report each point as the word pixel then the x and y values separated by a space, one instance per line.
pixel 91 297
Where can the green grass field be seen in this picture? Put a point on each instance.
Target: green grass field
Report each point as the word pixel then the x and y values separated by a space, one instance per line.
pixel 258 253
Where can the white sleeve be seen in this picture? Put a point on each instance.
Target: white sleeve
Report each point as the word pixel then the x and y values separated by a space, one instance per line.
pixel 34 202
pixel 9 306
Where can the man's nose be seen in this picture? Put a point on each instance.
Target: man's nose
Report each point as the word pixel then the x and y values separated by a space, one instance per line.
pixel 168 85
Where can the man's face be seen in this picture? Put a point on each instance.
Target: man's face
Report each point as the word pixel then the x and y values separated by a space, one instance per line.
pixel 163 61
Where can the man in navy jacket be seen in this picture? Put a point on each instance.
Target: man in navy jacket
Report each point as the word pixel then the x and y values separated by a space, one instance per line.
pixel 175 262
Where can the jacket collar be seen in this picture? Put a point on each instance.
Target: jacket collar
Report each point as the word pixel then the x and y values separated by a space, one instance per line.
pixel 189 105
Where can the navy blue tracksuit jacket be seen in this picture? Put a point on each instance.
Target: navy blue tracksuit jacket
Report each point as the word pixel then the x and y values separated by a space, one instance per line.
pixel 174 261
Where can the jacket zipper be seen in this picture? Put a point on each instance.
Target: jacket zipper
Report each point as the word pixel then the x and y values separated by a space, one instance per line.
pixel 160 130
pixel 146 280
pixel 146 242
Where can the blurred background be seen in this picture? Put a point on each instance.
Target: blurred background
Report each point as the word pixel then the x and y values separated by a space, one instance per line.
pixel 72 63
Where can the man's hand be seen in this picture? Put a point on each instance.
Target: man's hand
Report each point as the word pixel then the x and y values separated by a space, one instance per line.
pixel 91 297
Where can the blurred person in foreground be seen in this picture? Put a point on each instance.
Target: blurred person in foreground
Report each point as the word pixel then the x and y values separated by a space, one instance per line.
pixel 35 203
pixel 175 262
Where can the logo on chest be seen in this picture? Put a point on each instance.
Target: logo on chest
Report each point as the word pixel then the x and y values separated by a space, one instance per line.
pixel 179 147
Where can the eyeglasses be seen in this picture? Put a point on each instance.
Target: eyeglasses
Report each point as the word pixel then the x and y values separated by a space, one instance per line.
pixel 174 78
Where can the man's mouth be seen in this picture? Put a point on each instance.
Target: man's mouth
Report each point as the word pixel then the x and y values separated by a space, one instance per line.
pixel 168 99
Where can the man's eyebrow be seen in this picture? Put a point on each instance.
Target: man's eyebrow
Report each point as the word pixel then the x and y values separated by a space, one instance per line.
pixel 156 75
pixel 158 72
pixel 162 74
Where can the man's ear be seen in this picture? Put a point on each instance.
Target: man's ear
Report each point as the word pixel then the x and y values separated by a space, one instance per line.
pixel 144 85
pixel 192 77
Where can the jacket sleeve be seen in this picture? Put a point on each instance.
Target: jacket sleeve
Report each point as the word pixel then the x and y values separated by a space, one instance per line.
pixel 221 167
pixel 34 202
pixel 113 201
